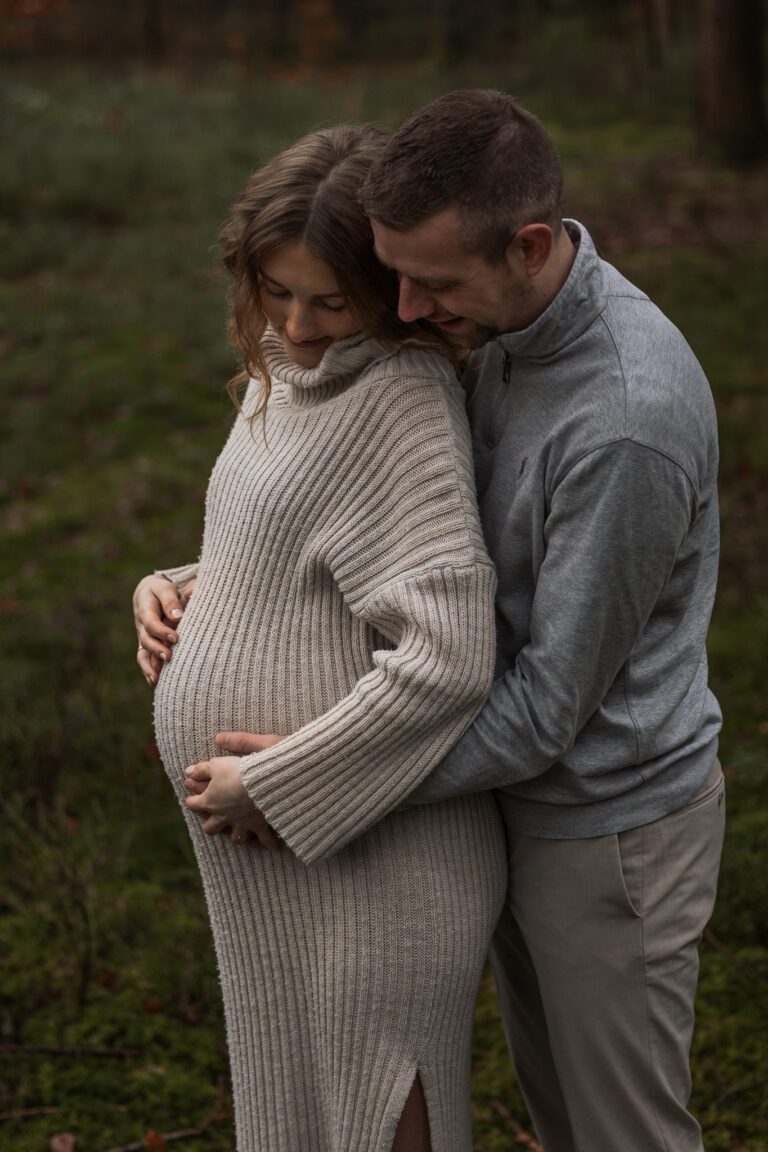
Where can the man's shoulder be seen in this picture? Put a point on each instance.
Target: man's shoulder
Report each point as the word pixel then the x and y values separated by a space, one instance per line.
pixel 668 397
pixel 617 286
pixel 629 376
pixel 645 366
pixel 637 326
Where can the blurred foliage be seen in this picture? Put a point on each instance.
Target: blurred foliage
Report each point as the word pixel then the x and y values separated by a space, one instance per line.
pixel 330 31
pixel 112 321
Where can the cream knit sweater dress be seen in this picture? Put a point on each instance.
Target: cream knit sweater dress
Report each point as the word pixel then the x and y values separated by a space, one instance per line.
pixel 344 598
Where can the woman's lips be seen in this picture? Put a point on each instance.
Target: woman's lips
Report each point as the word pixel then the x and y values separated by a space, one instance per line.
pixel 308 343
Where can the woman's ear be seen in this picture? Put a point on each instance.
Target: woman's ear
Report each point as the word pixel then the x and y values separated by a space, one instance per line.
pixel 530 247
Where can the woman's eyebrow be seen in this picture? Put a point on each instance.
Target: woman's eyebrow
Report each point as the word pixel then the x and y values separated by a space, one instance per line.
pixel 318 295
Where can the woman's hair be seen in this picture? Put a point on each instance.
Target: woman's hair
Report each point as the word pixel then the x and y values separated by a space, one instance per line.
pixel 309 194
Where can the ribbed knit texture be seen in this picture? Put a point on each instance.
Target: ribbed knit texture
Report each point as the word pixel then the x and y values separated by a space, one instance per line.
pixel 344 600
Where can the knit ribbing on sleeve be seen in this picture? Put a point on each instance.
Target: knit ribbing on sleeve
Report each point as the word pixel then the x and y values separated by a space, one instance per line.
pixel 325 784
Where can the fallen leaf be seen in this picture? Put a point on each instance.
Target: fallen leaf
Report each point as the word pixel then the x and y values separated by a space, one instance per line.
pixel 62 1142
pixel 154 1142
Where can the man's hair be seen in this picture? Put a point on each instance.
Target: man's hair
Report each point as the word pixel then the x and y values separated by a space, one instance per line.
pixel 475 150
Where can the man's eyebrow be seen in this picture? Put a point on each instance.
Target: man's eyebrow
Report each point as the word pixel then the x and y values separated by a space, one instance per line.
pixel 434 282
pixel 318 295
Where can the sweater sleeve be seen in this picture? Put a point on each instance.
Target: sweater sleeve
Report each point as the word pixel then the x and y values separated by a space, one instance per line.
pixel 179 576
pixel 328 782
pixel 615 527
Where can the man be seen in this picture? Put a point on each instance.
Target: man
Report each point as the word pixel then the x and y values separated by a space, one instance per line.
pixel 596 456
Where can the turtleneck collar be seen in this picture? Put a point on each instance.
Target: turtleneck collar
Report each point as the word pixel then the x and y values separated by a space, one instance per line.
pixel 342 362
pixel 578 303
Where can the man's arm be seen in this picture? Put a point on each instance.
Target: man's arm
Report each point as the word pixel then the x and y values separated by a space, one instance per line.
pixel 615 526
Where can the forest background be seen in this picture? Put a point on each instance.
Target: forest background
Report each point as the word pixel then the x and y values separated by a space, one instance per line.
pixel 126 129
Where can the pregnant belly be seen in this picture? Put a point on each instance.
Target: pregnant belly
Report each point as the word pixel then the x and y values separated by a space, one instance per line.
pixel 194 700
pixel 230 672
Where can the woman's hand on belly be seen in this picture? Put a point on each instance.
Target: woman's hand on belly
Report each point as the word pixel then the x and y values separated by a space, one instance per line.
pixel 157 609
pixel 223 801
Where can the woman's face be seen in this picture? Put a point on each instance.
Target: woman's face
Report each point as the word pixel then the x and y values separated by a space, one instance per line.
pixel 302 300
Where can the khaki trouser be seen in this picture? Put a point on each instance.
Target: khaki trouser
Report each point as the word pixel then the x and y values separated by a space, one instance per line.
pixel 596 962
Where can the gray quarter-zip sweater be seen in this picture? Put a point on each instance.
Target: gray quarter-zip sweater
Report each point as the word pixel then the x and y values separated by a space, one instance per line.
pixel 595 445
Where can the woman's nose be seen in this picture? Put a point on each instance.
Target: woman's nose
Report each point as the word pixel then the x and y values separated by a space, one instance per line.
pixel 299 324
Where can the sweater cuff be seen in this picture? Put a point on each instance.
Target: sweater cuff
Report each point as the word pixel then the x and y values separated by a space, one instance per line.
pixel 179 576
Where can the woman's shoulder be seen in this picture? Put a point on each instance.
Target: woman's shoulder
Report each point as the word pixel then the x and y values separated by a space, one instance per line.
pixel 423 438
pixel 413 394
pixel 413 359
pixel 415 378
pixel 420 420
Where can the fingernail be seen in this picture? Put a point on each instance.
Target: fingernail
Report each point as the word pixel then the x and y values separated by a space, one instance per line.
pixel 176 613
pixel 171 638
pixel 163 657
pixel 188 771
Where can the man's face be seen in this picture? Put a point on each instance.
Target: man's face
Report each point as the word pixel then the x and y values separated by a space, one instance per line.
pixel 464 296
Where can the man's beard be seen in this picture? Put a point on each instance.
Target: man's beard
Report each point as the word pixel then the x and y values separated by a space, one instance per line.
pixel 479 336
pixel 476 337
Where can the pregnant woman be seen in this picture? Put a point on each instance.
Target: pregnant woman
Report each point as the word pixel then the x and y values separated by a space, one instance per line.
pixel 343 600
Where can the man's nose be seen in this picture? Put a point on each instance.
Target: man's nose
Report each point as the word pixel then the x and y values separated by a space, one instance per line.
pixel 415 301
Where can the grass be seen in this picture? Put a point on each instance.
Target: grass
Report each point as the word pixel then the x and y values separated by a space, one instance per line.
pixel 112 190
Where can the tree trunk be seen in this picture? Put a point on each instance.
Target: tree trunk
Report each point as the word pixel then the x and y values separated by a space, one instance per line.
pixel 651 22
pixel 267 34
pixel 155 43
pixel 731 104
pixel 661 29
pixel 457 31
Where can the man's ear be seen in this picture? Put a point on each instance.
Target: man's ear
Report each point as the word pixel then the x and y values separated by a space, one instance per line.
pixel 531 246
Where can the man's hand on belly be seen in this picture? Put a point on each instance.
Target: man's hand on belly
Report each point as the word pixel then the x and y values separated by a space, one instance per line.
pixel 223 801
